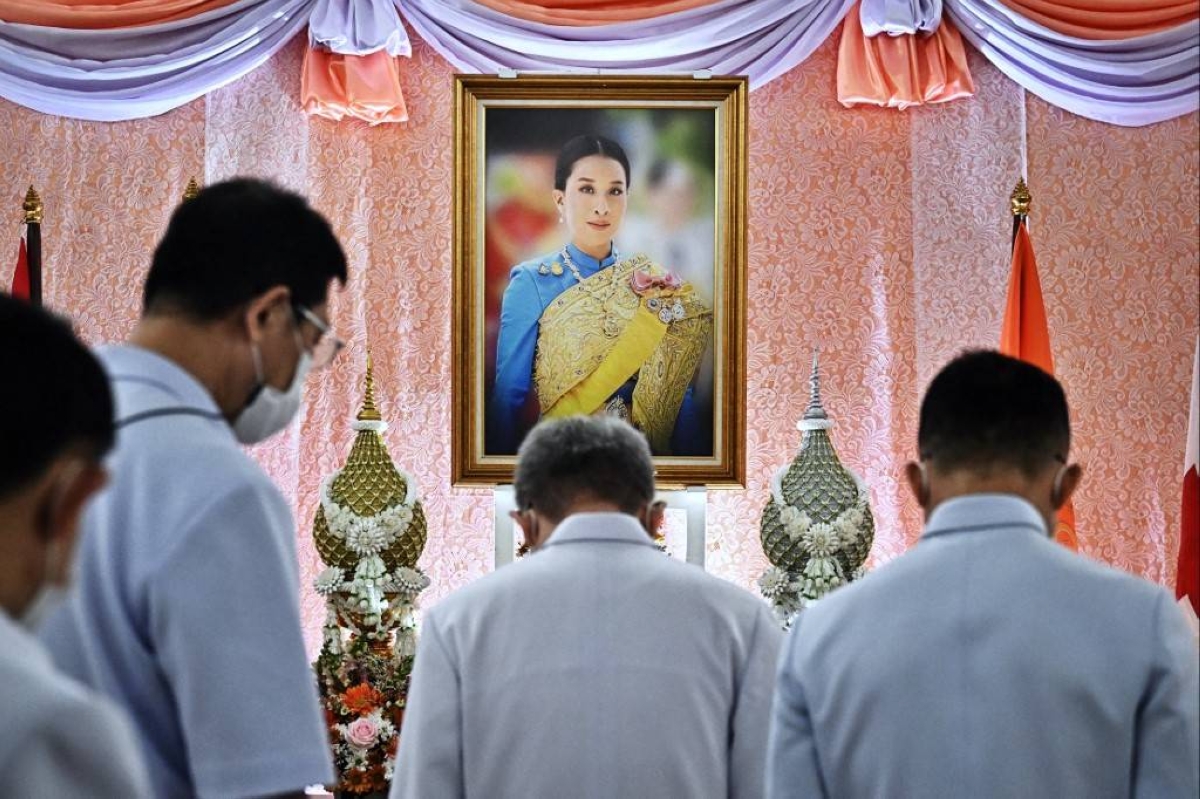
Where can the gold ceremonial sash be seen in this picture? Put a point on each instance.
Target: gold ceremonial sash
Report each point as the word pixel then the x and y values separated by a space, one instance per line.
pixel 598 334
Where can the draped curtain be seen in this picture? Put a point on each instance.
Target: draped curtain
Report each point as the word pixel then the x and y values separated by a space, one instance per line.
pixel 1127 62
pixel 882 237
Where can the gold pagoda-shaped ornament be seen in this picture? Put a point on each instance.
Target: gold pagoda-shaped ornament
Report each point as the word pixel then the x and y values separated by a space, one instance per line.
pixel 370 530
pixel 817 527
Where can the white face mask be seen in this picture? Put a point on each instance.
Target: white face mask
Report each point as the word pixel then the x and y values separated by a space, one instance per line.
pixel 48 599
pixel 271 410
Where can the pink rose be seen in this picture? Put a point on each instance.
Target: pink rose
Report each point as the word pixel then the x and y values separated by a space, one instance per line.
pixel 642 281
pixel 362 733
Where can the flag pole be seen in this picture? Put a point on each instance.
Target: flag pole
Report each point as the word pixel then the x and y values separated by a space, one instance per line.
pixel 1019 200
pixel 33 243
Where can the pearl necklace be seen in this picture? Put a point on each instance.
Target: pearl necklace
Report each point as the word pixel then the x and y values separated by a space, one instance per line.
pixel 610 326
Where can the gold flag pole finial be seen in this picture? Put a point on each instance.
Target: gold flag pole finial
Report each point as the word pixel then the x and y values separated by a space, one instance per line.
pixel 191 189
pixel 369 412
pixel 33 207
pixel 1020 199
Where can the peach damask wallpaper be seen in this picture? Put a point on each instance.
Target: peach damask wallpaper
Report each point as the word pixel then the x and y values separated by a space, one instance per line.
pixel 880 236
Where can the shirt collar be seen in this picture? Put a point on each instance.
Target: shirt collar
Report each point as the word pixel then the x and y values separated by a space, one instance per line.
pixel 130 364
pixel 620 528
pixel 976 512
pixel 587 263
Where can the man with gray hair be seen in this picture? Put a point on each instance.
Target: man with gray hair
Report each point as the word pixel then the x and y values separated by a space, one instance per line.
pixel 597 666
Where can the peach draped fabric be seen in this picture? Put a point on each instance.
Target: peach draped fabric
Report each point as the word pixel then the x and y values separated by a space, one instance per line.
pixel 365 87
pixel 884 238
pixel 1106 19
pixel 901 71
pixel 91 15
pixel 591 12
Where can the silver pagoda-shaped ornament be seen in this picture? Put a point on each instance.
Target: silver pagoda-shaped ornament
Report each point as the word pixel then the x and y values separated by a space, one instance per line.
pixel 817 527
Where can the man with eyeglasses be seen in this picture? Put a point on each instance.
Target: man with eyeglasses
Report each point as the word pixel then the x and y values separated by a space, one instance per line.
pixel 187 603
pixel 989 661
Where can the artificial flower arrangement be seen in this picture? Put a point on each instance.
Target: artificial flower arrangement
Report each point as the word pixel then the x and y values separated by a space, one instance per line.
pixel 817 527
pixel 370 529
pixel 364 667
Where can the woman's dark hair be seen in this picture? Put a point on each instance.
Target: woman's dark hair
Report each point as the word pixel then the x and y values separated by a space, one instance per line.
pixel 233 241
pixel 581 147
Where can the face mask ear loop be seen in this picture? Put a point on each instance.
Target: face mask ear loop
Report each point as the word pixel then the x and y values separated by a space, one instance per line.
pixel 1056 489
pixel 256 357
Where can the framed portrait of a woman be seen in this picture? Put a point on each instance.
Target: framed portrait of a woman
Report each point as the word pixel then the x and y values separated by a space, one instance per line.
pixel 599 262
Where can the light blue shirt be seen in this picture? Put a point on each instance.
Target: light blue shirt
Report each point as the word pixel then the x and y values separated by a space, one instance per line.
pixel 988 661
pixel 58 739
pixel 595 668
pixel 187 603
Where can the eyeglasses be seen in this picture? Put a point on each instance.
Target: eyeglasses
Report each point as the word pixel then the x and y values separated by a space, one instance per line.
pixel 327 346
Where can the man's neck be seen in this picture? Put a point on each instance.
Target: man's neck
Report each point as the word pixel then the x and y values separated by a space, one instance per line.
pixel 947 486
pixel 546 527
pixel 205 350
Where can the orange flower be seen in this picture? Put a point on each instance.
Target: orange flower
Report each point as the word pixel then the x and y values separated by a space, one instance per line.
pixel 361 699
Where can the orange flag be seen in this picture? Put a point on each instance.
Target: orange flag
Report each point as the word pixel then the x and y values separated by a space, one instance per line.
pixel 1026 335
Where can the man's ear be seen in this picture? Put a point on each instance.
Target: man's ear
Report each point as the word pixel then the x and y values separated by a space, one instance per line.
pixel 654 517
pixel 528 524
pixel 918 482
pixel 1067 483
pixel 259 311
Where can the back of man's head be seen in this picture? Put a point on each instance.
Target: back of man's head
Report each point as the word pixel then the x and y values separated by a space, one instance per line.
pixel 56 397
pixel 563 462
pixel 235 240
pixel 986 412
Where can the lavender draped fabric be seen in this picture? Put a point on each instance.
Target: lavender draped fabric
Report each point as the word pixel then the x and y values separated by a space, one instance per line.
pixel 899 17
pixel 759 38
pixel 136 72
pixel 1131 82
pixel 358 27
pixel 130 73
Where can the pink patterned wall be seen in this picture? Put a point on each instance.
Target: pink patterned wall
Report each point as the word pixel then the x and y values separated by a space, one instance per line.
pixel 878 235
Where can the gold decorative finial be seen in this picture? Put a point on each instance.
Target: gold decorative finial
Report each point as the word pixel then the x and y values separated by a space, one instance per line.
pixel 369 412
pixel 191 189
pixel 33 207
pixel 1020 199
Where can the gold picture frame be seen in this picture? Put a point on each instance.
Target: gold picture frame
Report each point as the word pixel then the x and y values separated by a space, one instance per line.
pixel 676 233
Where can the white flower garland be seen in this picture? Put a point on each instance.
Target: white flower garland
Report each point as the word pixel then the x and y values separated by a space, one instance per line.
pixel 789 593
pixel 367 535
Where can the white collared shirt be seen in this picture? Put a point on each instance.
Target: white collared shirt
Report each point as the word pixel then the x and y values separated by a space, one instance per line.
pixel 57 738
pixel 988 661
pixel 187 609
pixel 596 667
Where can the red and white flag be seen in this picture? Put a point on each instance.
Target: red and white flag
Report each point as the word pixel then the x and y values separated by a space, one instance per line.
pixel 1187 577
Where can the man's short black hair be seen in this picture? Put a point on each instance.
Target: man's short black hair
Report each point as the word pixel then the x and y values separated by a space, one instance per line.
pixel 55 395
pixel 986 410
pixel 233 241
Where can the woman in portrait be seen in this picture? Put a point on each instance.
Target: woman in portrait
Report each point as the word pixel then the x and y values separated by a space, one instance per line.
pixel 591 332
